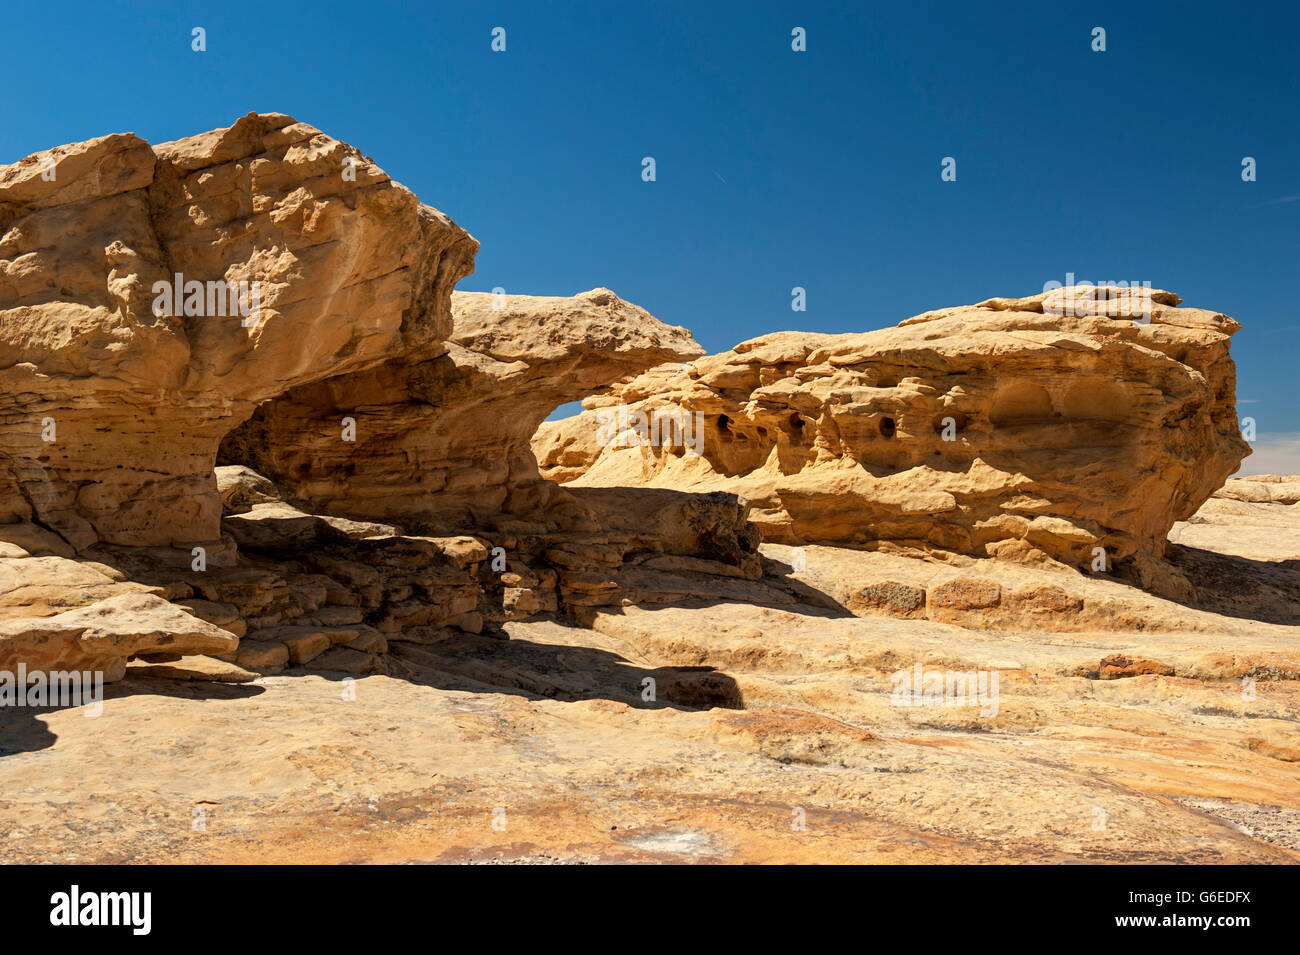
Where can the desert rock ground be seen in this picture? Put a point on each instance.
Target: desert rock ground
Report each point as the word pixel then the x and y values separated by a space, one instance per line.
pixel 773 736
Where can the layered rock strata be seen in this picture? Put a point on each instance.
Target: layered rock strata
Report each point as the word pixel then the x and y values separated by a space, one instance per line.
pixel 441 446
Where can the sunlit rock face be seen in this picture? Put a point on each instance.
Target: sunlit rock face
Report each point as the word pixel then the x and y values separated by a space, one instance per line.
pixel 152 296
pixel 440 444
pixel 1067 426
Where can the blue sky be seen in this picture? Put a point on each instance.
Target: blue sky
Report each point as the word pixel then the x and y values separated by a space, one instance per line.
pixel 775 169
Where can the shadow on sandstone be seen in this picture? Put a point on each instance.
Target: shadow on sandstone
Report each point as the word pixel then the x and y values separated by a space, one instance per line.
pixel 24 729
pixel 491 662
pixel 465 662
pixel 293 592
pixel 1241 587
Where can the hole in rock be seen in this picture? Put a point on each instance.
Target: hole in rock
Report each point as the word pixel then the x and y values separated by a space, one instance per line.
pixel 794 428
pixel 887 427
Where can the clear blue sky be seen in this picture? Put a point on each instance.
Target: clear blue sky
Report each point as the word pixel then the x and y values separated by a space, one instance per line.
pixel 818 169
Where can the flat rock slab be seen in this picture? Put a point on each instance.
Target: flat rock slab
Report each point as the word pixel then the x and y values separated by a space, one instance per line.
pixel 209 669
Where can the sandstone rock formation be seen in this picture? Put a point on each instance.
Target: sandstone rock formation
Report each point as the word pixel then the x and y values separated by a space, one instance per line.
pixel 116 398
pixel 1016 428
pixel 103 635
pixel 153 298
pixel 374 432
pixel 377 509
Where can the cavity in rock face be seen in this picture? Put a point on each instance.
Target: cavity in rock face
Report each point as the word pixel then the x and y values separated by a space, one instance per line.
pixel 1014 428
pixel 150 299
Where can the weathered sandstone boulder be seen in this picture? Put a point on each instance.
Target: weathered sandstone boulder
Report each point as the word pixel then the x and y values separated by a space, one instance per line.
pixel 116 389
pixel 1014 428
pixel 242 488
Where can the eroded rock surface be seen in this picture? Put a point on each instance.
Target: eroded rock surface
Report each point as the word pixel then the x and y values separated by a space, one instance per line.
pixel 1003 429
pixel 1262 489
pixel 616 660
pixel 115 399
pixel 103 635
pixel 153 297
